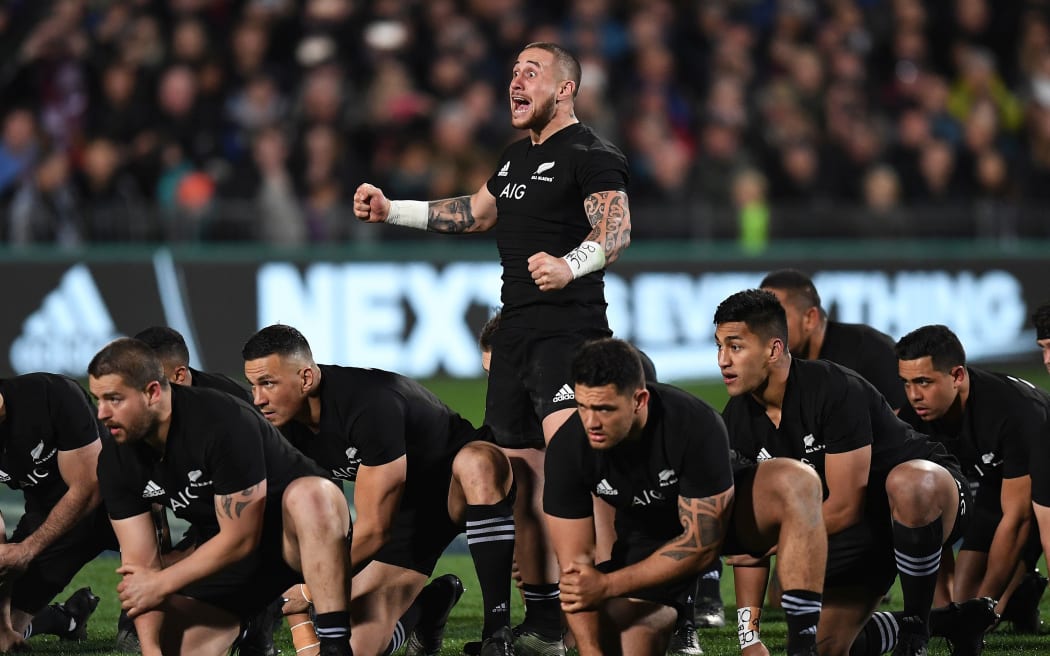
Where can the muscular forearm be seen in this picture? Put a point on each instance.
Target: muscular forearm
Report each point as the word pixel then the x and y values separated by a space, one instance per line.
pixel 147 626
pixel 839 517
pixel 208 558
pixel 750 584
pixel 1003 555
pixel 453 215
pixel 364 544
pixel 610 218
pixel 74 505
pixel 586 630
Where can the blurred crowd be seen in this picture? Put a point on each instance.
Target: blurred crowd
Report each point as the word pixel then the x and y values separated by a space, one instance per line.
pixel 256 119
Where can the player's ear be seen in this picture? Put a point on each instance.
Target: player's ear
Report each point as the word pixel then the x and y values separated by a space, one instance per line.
pixel 641 398
pixel 776 348
pixel 179 375
pixel 307 379
pixel 958 373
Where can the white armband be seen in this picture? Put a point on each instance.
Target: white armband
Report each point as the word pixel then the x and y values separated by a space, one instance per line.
pixel 409 213
pixel 586 258
pixel 748 626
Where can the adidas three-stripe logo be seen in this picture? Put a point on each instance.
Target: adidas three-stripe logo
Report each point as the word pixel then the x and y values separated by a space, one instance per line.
pixel 565 393
pixel 152 490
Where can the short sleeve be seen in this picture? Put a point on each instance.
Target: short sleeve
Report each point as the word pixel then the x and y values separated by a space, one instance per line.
pixel 846 415
pixel 380 433
pixel 121 490
pixel 603 168
pixel 706 468
pixel 72 415
pixel 235 453
pixel 565 491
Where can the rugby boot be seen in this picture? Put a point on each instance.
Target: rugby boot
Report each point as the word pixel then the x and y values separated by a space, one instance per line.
pixel 437 600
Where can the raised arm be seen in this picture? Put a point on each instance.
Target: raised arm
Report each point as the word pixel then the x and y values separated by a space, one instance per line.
pixel 476 213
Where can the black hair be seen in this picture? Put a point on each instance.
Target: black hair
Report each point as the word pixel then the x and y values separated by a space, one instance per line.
pixel 131 359
pixel 277 339
pixel 935 341
pixel 1041 319
pixel 487 331
pixel 608 361
pixel 758 309
pixel 167 343
pixel 799 287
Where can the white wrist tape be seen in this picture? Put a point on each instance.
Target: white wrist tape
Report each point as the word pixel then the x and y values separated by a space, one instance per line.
pixel 748 625
pixel 408 213
pixel 586 258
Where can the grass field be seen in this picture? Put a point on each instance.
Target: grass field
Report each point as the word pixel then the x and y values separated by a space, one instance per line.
pixel 465 624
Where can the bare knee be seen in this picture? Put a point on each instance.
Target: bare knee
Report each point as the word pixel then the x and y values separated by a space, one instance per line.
pixel 483 472
pixel 315 501
pixel 913 489
pixel 793 487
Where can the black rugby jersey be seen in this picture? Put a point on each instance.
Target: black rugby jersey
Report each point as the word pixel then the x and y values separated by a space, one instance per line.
pixel 1003 418
pixel 221 383
pixel 827 408
pixel 216 445
pixel 46 413
pixel 539 192
pixel 683 451
pixel 371 417
pixel 868 352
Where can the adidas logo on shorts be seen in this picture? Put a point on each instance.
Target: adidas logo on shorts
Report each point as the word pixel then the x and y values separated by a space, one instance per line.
pixel 565 393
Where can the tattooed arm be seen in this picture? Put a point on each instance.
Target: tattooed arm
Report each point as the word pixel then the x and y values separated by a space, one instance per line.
pixel 610 219
pixel 476 213
pixel 704 523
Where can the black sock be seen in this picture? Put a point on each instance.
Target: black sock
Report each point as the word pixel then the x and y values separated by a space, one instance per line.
pixel 542 609
pixel 333 630
pixel 711 582
pixel 404 627
pixel 490 537
pixel 687 610
pixel 53 620
pixel 878 636
pixel 802 612
pixel 918 553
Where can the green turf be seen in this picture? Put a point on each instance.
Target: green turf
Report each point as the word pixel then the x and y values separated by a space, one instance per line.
pixel 465 622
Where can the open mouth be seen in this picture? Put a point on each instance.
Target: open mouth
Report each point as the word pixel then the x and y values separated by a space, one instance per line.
pixel 519 104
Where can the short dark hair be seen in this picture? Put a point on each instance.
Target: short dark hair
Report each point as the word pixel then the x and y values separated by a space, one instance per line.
pixel 608 361
pixel 799 287
pixel 568 63
pixel 487 331
pixel 759 309
pixel 937 342
pixel 1041 319
pixel 131 359
pixel 277 339
pixel 167 343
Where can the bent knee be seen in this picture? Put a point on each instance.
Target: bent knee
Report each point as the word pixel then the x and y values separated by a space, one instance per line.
pixel 481 465
pixel 315 496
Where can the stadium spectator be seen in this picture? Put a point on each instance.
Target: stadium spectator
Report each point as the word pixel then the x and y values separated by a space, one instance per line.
pixel 837 76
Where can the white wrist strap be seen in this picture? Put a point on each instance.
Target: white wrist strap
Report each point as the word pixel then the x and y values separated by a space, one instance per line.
pixel 748 626
pixel 586 258
pixel 408 213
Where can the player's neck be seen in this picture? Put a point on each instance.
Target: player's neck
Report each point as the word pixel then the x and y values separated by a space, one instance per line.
pixel 157 439
pixel 771 394
pixel 816 341
pixel 555 125
pixel 311 415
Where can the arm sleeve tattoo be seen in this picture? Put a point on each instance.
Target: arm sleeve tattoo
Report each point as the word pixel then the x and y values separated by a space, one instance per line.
pixel 704 524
